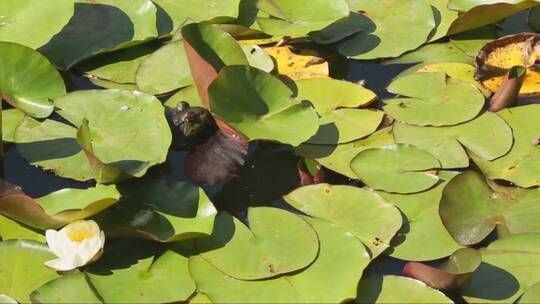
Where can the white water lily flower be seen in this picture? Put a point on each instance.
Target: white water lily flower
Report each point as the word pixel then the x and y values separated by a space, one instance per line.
pixel 75 245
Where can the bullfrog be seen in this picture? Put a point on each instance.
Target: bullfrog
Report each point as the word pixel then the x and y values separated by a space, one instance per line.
pixel 190 126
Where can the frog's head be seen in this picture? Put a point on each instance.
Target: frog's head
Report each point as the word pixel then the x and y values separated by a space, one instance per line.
pixel 190 125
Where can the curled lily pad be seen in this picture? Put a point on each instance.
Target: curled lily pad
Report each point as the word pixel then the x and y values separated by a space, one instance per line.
pixel 58 208
pixel 338 157
pixel 291 18
pixel 298 65
pixel 363 213
pixel 165 70
pixel 18 259
pixel 260 106
pixel 509 266
pixel 328 94
pixel 396 289
pixel 396 168
pixel 434 100
pixel 28 81
pixel 11 119
pixel 521 165
pixel 487 136
pixel 470 209
pixel 496 58
pixel 385 36
pixel 450 275
pixel 276 242
pixel 33 22
pixel 422 224
pixel 159 210
pixel 344 265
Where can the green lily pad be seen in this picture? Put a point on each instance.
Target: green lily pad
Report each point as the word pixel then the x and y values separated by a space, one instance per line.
pixel 341 258
pixel 422 225
pixel 434 53
pixel 343 28
pixel 71 288
pixel 11 119
pixel 291 18
pixel 472 41
pixel 130 273
pixel 433 100
pixel 509 267
pixel 165 70
pixel 396 289
pixel 159 210
pixel 346 125
pixel 96 28
pixel 260 106
pixel 276 242
pixel 470 209
pixel 338 157
pixel 385 37
pixel 33 22
pixel 12 230
pixel 396 168
pixel 531 295
pixel 328 94
pixel 198 10
pixel 58 208
pixel 29 86
pixel 188 94
pixel 443 17
pixel 360 212
pixel 521 165
pixel 258 58
pixel 487 136
pixel 18 259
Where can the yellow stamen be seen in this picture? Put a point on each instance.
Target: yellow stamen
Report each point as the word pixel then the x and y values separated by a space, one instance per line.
pixel 81 234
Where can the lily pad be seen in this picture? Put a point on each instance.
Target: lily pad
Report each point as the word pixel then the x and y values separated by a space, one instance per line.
pixel 422 225
pixel 58 208
pixel 396 289
pixel 27 80
pixel 362 213
pixel 71 288
pixel 298 65
pixel 521 165
pixel 159 210
pixel 18 259
pixel 434 53
pixel 260 106
pixel 11 119
pixel 396 168
pixel 531 295
pixel 165 70
pixel 488 137
pixel 257 57
pixel 33 22
pixel 470 209
pixel 276 242
pixel 338 157
pixel 341 258
pixel 434 100
pixel 386 37
pixel 328 94
pixel 509 266
pixel 188 94
pixel 13 230
pixel 291 18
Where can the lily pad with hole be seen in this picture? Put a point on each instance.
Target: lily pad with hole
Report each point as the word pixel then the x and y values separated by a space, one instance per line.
pixel 488 137
pixel 338 157
pixel 422 224
pixel 276 242
pixel 260 106
pixel 397 289
pixel 18 259
pixel 360 212
pixel 521 165
pixel 165 70
pixel 385 36
pixel 509 267
pixel 433 100
pixel 470 209
pixel 159 210
pixel 291 18
pixel 341 258
pixel 396 168
pixel 33 22
pixel 11 119
pixel 28 81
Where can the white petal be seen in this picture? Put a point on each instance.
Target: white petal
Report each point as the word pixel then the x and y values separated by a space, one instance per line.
pixel 54 242
pixel 61 264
